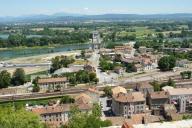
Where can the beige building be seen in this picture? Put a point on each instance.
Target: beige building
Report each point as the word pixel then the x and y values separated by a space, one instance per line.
pixel 55 116
pixel 127 104
pixel 51 84
pixel 181 98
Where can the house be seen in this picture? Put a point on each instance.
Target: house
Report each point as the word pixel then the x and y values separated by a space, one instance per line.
pixel 181 98
pixel 59 114
pixel 107 52
pixel 148 62
pixel 119 70
pixel 156 100
pixel 138 67
pixel 51 84
pixel 126 50
pixel 144 87
pixel 128 104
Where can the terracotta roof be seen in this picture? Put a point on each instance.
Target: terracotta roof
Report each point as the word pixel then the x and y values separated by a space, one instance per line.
pixel 159 95
pixel 60 108
pixel 180 91
pixel 84 106
pixel 119 89
pixel 126 125
pixel 52 109
pixel 83 98
pixel 129 97
pixel 51 80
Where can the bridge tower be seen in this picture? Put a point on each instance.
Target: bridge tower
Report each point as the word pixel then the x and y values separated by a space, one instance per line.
pixel 96 40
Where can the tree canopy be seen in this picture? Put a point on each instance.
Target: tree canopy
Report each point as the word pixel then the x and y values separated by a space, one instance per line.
pixel 167 63
pixel 18 77
pixel 9 118
pixel 80 119
pixel 5 79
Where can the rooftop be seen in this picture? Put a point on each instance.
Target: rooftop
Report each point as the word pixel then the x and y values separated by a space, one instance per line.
pixel 60 108
pixel 51 109
pixel 129 97
pixel 180 91
pixel 159 95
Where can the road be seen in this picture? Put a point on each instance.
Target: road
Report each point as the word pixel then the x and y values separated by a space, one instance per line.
pixel 104 78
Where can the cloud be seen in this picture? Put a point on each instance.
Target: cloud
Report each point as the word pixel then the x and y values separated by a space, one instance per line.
pixel 86 8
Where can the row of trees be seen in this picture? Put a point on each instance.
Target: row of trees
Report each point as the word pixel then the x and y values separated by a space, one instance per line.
pixel 158 43
pixel 106 63
pixel 82 77
pixel 158 86
pixel 15 40
pixel 18 78
pixel 60 62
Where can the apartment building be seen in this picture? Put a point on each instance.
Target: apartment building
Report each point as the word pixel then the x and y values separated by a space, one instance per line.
pixel 127 104
pixel 51 84
pixel 181 98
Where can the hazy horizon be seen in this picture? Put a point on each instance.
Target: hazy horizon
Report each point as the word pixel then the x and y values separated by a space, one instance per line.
pixel 93 7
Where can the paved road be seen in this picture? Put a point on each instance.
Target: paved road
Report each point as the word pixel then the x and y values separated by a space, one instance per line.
pixel 104 78
pixel 25 65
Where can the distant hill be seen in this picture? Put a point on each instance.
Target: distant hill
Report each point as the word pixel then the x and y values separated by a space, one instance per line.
pixel 59 17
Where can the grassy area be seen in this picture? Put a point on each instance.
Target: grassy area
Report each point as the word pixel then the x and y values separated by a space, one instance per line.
pixel 22 103
pixel 28 77
pixel 140 31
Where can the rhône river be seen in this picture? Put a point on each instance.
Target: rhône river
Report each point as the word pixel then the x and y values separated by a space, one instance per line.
pixel 24 52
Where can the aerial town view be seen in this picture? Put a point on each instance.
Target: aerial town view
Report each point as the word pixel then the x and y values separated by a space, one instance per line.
pixel 95 64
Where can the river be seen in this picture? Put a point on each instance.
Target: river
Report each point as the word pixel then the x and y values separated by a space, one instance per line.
pixel 25 52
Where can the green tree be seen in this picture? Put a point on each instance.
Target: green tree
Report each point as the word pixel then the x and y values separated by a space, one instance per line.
pixel 19 119
pixel 156 85
pixel 80 119
pixel 60 62
pixel 5 79
pixel 108 91
pixel 18 77
pixel 83 53
pixel 182 75
pixel 66 99
pixel 167 63
pixel 77 119
pixel 36 88
pixel 189 74
pixel 171 83
pixel 96 111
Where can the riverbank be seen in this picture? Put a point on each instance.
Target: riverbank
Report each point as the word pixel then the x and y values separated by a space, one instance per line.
pixel 43 58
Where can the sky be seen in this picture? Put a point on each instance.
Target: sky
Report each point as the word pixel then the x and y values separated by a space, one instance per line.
pixel 89 7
